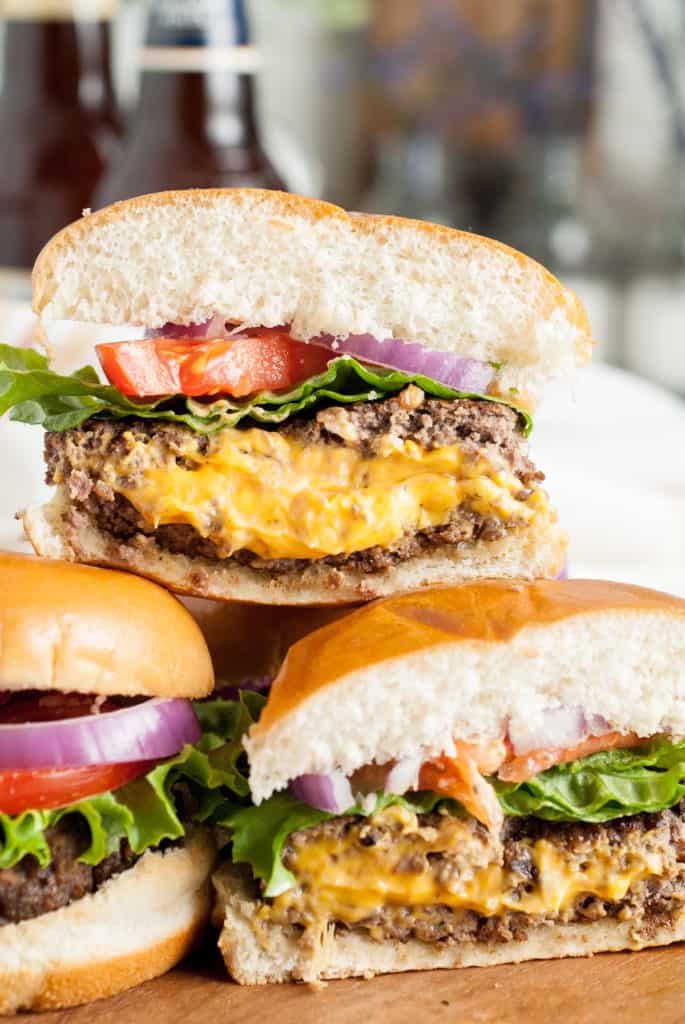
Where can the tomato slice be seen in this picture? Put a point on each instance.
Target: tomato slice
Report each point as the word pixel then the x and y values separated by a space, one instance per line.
pixel 524 767
pixel 266 359
pixel 56 787
pixel 460 777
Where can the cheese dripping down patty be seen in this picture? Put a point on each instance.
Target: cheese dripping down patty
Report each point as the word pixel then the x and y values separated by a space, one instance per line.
pixel 340 879
pixel 261 491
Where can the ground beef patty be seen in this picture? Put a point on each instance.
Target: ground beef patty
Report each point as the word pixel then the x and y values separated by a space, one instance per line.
pixel 482 428
pixel 650 902
pixel 28 890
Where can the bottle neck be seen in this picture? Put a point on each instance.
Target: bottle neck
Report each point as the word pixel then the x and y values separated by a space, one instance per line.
pixel 198 71
pixel 216 108
pixel 58 62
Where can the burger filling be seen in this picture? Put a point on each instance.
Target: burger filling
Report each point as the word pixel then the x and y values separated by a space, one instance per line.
pixel 87 810
pixel 367 485
pixel 256 448
pixel 439 878
pixel 482 845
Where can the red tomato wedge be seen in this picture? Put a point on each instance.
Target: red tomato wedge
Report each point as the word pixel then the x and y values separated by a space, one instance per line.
pixel 459 777
pixel 56 787
pixel 519 769
pixel 266 360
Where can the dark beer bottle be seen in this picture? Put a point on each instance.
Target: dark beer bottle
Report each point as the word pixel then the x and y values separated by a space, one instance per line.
pixel 196 123
pixel 58 118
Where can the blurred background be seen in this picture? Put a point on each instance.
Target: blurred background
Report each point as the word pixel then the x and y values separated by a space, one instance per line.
pixel 555 125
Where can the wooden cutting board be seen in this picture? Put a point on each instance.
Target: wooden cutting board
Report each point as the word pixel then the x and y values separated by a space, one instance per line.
pixel 623 988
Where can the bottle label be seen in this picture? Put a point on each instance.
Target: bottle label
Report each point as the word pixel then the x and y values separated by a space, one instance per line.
pixel 59 10
pixel 242 60
pixel 198 35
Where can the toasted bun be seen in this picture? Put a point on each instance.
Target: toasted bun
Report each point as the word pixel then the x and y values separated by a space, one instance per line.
pixel 249 641
pixel 56 533
pixel 183 256
pixel 257 952
pixel 137 926
pixel 72 628
pixel 408 676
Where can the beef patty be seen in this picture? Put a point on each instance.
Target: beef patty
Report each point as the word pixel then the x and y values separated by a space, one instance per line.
pixel 482 428
pixel 28 890
pixel 649 902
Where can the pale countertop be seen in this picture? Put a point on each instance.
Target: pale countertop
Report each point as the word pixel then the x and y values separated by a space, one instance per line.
pixel 612 447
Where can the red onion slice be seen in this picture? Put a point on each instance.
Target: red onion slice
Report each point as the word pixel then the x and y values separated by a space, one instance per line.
pixel 331 793
pixel 152 730
pixel 557 728
pixel 215 327
pixel 404 775
pixel 597 725
pixel 447 368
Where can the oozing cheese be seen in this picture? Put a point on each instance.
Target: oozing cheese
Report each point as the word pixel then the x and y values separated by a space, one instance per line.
pixel 267 493
pixel 339 880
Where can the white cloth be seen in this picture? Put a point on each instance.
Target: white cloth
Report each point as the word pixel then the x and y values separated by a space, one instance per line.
pixel 614 455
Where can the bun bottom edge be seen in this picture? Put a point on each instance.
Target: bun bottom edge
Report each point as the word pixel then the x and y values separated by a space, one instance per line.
pixel 75 985
pixel 56 531
pixel 137 926
pixel 259 953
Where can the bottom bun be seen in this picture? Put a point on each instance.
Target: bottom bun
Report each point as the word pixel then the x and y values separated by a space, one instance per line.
pixel 58 531
pixel 136 927
pixel 257 953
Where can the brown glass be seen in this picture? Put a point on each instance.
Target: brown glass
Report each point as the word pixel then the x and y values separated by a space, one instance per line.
pixel 192 130
pixel 58 125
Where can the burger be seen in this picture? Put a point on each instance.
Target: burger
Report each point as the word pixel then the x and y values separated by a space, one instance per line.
pixel 482 774
pixel 106 779
pixel 326 407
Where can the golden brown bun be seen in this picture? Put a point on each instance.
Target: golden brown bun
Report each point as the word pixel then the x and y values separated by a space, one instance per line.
pixel 250 641
pixel 321 270
pixel 137 926
pixel 492 611
pixel 409 676
pixel 77 629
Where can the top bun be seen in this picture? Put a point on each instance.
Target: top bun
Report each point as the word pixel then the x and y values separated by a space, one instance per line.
pixel 72 628
pixel 410 675
pixel 265 258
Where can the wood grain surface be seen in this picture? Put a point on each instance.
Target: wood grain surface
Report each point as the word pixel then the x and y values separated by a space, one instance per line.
pixel 621 988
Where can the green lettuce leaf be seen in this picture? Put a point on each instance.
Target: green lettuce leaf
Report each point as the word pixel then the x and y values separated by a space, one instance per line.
pixel 259 833
pixel 37 395
pixel 145 811
pixel 602 786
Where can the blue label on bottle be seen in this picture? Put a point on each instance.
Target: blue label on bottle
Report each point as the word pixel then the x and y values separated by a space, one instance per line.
pixel 197 23
pixel 199 36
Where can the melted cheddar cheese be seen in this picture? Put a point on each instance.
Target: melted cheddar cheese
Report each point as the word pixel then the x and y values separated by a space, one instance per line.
pixel 340 880
pixel 272 495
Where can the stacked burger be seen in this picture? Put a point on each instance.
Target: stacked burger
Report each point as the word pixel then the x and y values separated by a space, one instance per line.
pixel 326 409
pixel 106 776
